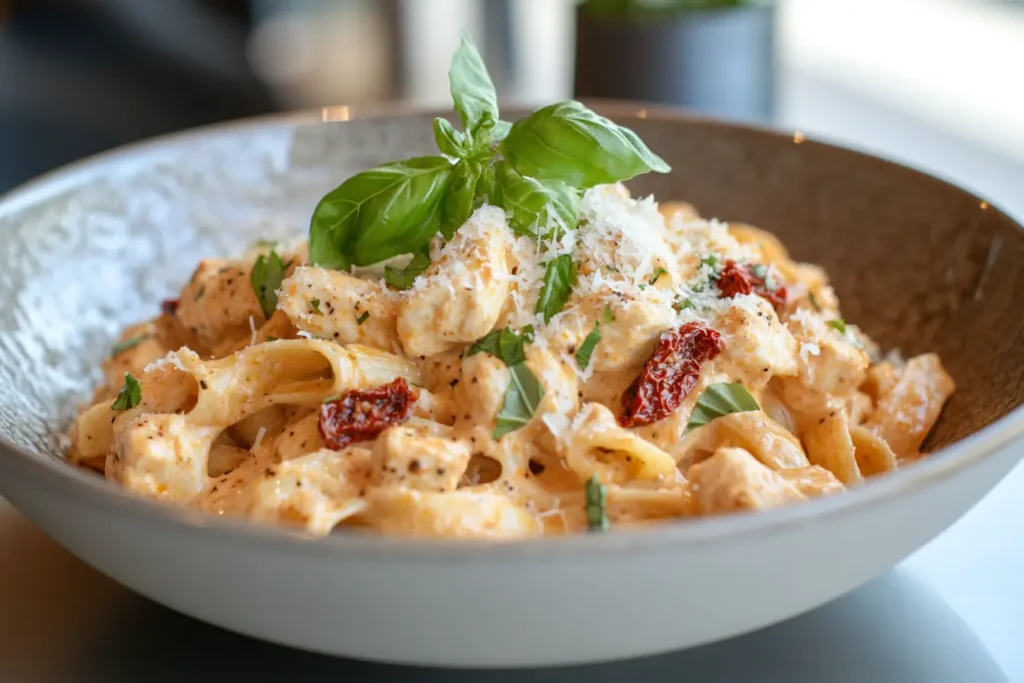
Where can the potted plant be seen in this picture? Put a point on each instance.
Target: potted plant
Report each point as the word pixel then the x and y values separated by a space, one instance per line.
pixel 714 56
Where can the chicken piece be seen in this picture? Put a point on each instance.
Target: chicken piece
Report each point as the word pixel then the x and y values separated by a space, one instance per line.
pixel 315 491
pixel 829 361
pixel 162 456
pixel 339 307
pixel 218 302
pixel 756 346
pixel 733 480
pixel 459 297
pixel 420 457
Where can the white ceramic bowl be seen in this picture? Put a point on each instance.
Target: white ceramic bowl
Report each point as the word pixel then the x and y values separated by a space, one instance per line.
pixel 93 247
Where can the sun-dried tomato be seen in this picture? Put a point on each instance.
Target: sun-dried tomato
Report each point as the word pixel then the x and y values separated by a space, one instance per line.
pixel 735 280
pixel 169 306
pixel 361 415
pixel 669 375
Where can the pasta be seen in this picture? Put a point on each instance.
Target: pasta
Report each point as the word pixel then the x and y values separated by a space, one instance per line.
pixel 692 369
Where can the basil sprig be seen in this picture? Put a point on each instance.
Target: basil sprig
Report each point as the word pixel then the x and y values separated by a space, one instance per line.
pixel 535 169
pixel 586 349
pixel 402 278
pixel 524 392
pixel 719 400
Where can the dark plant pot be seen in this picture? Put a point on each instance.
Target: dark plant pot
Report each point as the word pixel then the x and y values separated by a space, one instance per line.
pixel 716 61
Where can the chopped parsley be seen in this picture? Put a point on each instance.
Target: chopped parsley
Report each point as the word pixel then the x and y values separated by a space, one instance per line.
pixel 814 301
pixel 597 501
pixel 129 343
pixel 315 305
pixel 838 325
pixel 608 315
pixel 130 394
pixel 201 292
pixel 682 303
pixel 362 318
pixel 657 274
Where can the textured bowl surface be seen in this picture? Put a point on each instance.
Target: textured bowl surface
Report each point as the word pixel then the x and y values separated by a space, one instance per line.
pixel 918 263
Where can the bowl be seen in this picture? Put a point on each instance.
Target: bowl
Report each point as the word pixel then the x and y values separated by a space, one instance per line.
pixel 920 264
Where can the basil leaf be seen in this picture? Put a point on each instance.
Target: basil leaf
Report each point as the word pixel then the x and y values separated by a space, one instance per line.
pixel 487 190
pixel 505 344
pixel 402 278
pixel 266 277
pixel 377 214
pixel 459 199
pixel 449 140
pixel 476 101
pixel 718 400
pixel 129 343
pixel 838 325
pixel 559 279
pixel 568 142
pixel 597 501
pixel 130 394
pixel 539 208
pixel 522 397
pixel 586 349
pixel 500 130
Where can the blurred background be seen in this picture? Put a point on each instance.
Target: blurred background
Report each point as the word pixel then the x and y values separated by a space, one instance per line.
pixel 933 81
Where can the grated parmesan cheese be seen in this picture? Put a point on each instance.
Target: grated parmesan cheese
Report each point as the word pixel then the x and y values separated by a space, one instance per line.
pixel 259 438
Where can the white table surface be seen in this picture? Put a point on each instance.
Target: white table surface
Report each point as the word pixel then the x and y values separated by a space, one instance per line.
pixel 953 611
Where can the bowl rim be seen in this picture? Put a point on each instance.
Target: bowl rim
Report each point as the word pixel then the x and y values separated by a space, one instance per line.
pixel 21 466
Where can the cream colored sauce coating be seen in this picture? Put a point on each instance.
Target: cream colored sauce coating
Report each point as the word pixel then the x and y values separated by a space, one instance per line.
pixel 229 421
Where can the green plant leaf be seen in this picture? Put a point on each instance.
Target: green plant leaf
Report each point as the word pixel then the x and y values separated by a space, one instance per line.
pixel 130 394
pixel 476 101
pixel 538 208
pixel 505 344
pixel 586 349
pixel 522 397
pixel 378 214
pixel 568 142
pixel 559 279
pixel 129 343
pixel 459 200
pixel 718 400
pixel 450 141
pixel 266 277
pixel 597 501
pixel 402 278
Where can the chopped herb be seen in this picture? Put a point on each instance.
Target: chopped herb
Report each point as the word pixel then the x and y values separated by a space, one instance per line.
pixel 760 270
pixel 332 397
pixel 613 269
pixel 587 347
pixel 559 279
pixel 642 287
pixel 719 400
pixel 266 277
pixel 270 339
pixel 682 303
pixel 362 318
pixel 838 325
pixel 608 315
pixel 814 301
pixel 711 260
pixel 597 500
pixel 402 278
pixel 130 394
pixel 505 344
pixel 201 292
pixel 315 305
pixel 657 274
pixel 130 343
pixel 523 395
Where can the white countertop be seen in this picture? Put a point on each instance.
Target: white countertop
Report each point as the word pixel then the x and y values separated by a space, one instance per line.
pixel 953 611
